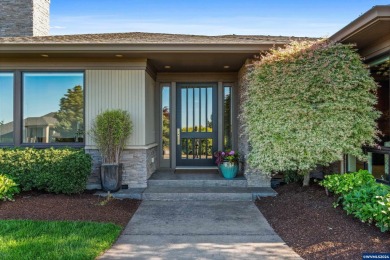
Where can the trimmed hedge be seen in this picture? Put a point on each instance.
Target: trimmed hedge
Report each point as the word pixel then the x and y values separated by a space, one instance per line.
pixel 362 197
pixel 64 170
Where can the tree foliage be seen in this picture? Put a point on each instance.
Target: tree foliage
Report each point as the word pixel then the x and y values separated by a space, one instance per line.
pixel 307 105
pixel 110 131
pixel 70 116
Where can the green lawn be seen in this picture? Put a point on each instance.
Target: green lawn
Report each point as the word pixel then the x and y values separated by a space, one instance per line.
pixel 27 239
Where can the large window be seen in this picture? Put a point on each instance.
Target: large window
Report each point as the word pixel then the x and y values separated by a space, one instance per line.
pixel 53 107
pixel 6 108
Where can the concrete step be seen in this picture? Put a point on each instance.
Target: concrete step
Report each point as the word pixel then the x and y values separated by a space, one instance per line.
pixel 194 179
pixel 198 183
pixel 206 193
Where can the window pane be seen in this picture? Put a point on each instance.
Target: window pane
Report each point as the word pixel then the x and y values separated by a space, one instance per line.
pixel 165 123
pixel 381 72
pixel 6 108
pixel 227 121
pixel 53 107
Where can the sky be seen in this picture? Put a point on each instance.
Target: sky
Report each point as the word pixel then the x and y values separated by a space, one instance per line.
pixel 207 17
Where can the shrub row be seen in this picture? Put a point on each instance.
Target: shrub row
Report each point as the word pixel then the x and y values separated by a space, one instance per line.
pixel 362 197
pixel 62 170
pixel 8 187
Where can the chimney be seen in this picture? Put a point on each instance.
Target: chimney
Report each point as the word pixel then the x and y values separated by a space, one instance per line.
pixel 24 18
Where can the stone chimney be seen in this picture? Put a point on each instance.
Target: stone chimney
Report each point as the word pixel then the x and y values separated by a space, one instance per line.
pixel 24 18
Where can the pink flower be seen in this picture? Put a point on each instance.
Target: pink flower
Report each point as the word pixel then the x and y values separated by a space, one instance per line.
pixel 231 153
pixel 223 153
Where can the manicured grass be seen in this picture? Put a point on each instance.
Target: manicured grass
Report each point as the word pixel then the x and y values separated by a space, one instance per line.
pixel 28 239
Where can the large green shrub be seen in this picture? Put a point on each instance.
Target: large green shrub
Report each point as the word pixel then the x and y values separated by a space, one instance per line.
pixel 54 170
pixel 362 197
pixel 342 184
pixel 8 187
pixel 307 105
pixel 369 203
pixel 110 131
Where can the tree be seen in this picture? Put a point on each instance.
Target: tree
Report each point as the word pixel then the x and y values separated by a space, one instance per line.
pixel 70 116
pixel 307 105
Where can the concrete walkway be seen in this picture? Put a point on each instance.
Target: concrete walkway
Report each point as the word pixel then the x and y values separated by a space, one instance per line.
pixel 199 230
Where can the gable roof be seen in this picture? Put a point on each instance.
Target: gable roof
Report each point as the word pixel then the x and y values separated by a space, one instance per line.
pixel 150 38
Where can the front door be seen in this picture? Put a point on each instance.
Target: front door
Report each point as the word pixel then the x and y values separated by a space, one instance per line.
pixel 196 130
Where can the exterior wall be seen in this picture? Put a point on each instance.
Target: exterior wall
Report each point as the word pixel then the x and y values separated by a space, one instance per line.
pixel 24 18
pixel 139 164
pixel 41 17
pixel 150 126
pixel 255 177
pixel 116 89
pixel 133 91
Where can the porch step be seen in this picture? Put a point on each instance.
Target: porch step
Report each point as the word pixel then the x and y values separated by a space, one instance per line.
pixel 203 179
pixel 198 183
pixel 206 193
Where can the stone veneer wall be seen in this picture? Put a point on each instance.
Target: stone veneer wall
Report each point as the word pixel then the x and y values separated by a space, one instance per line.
pixel 138 167
pixel 24 18
pixel 255 177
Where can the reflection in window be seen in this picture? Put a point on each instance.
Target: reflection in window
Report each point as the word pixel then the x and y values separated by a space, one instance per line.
pixel 165 122
pixel 196 148
pixel 227 118
pixel 6 108
pixel 53 107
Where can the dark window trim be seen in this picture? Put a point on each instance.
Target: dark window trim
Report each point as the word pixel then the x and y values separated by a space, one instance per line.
pixel 14 76
pixel 18 109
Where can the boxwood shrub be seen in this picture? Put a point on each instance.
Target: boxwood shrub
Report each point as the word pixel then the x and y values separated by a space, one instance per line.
pixel 362 197
pixel 63 170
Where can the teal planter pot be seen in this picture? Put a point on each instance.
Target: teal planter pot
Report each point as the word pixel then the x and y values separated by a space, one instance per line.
pixel 229 170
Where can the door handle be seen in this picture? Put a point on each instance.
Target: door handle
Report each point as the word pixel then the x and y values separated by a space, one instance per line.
pixel 178 136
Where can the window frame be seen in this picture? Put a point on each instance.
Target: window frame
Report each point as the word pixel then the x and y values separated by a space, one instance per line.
pixel 13 109
pixel 18 109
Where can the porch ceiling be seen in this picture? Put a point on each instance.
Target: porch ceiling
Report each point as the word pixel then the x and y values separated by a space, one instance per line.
pixel 178 60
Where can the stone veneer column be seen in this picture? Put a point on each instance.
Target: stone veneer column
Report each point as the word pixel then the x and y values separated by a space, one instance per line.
pixel 255 177
pixel 24 18
pixel 138 167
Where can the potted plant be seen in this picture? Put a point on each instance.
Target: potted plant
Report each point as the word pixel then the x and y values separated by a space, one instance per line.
pixel 227 162
pixel 110 131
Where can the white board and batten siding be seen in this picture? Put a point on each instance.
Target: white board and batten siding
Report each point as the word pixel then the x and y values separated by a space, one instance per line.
pixel 120 89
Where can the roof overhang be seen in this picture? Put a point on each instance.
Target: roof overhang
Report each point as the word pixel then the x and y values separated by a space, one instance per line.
pixel 179 57
pixel 370 32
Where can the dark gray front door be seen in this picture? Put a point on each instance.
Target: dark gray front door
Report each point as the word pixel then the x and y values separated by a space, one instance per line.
pixel 196 129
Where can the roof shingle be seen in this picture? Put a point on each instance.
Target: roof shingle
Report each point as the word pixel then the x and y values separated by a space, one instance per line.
pixel 149 38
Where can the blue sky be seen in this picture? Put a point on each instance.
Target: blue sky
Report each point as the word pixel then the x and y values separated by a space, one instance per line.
pixel 207 17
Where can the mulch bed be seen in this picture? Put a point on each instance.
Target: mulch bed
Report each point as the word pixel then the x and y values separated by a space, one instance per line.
pixel 306 220
pixel 82 207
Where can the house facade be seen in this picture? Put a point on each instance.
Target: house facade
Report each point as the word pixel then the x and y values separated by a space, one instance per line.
pixel 183 92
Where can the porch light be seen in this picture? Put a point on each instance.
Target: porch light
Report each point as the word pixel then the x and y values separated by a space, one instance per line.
pixel 226 66
pixel 45 55
pixel 119 55
pixel 167 67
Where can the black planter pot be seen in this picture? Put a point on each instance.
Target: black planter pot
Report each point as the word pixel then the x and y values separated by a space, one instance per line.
pixel 111 176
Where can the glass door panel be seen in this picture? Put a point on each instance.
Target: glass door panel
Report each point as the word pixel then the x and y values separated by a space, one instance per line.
pixel 196 124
